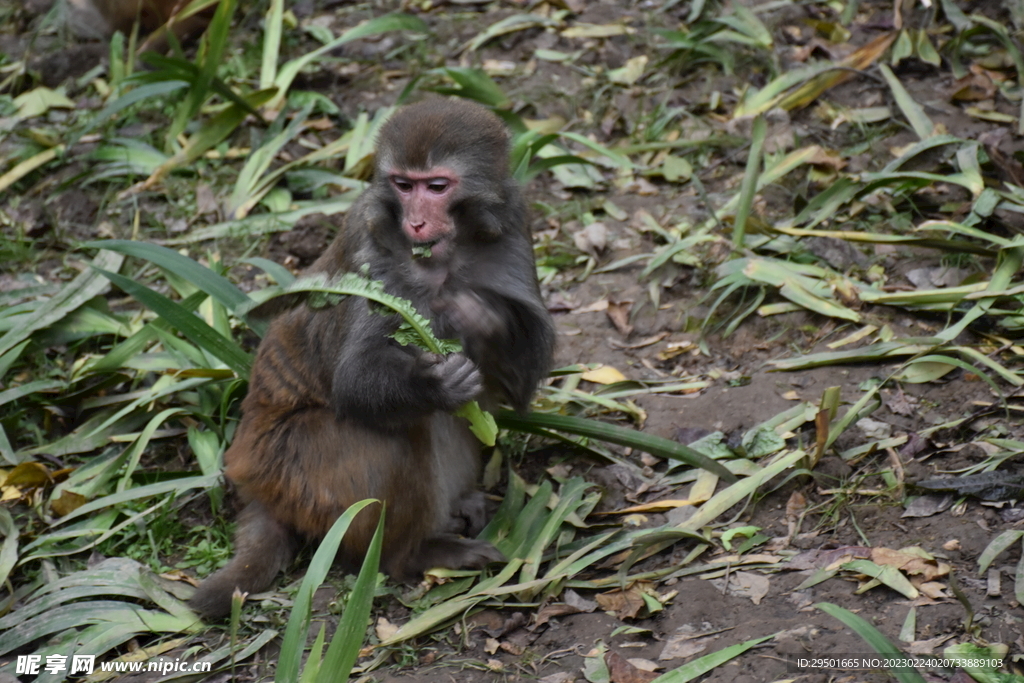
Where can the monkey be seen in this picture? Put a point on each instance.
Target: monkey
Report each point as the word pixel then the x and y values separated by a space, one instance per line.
pixel 338 411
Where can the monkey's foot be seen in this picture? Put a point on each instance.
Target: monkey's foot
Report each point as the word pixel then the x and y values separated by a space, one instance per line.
pixel 452 552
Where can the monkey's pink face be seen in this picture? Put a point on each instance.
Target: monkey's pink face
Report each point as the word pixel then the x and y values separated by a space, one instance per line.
pixel 426 197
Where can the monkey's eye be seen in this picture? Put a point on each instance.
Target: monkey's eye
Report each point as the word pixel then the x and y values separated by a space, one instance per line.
pixel 402 184
pixel 438 186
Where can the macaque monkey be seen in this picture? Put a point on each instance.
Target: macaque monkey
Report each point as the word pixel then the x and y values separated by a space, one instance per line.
pixel 101 18
pixel 338 411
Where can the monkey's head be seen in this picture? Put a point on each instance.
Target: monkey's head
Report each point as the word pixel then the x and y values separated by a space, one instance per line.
pixel 434 158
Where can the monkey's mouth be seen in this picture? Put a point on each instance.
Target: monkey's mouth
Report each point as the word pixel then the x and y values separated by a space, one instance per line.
pixel 430 249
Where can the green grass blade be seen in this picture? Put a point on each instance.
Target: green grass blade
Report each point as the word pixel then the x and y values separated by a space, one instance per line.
pixel 9 548
pixel 193 327
pixel 348 639
pixel 702 665
pixel 914 112
pixel 874 638
pixel 298 623
pixel 389 22
pixel 748 187
pixel 85 286
pixel 217 286
pixel 272 29
pixel 535 423
pixel 996 547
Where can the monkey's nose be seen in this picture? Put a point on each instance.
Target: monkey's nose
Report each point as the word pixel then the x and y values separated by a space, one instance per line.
pixel 416 227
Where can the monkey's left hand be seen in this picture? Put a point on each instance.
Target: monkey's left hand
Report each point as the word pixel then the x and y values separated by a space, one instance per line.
pixel 471 316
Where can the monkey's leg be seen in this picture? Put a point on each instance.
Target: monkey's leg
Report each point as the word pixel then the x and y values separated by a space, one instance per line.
pixel 263 547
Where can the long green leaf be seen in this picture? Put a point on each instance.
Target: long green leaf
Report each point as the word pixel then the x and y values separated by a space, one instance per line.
pixel 298 623
pixel 85 286
pixel 348 639
pixel 389 22
pixel 217 286
pixel 700 666
pixel 539 423
pixel 193 327
pixel 873 637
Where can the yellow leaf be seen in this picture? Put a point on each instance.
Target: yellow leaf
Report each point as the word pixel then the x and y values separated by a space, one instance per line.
pixel 596 31
pixel 605 374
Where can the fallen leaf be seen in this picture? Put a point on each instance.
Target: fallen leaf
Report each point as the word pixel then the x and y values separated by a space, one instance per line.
pixel 28 475
pixel 68 502
pixel 385 629
pixel 626 604
pixel 596 307
pixel 746 585
pixel 684 645
pixel 647 341
pixel 605 374
pixel 592 239
pixel 618 313
pixel 656 506
pixel 596 31
pixel 620 670
pixel 928 505
pixel 491 645
pixel 630 72
pixel 560 677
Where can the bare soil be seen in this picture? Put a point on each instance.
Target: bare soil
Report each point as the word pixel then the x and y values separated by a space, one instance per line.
pixel 849 505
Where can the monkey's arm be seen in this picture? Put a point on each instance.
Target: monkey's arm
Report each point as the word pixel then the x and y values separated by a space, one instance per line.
pixel 516 355
pixel 502 322
pixel 383 384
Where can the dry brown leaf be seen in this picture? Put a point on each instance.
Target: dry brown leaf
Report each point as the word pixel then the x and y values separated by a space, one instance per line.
pixel 931 589
pixel 746 585
pixel 646 341
pixel 384 628
pixel 548 612
pixel 596 307
pixel 559 677
pixel 68 502
pixel 684 645
pixel 626 604
pixel 28 475
pixel 620 670
pixel 618 313
pixel 491 645
pixel 910 563
pixel 578 601
pixel 857 61
pixel 592 239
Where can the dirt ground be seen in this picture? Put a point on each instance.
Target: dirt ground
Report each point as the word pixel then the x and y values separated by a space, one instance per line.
pixel 730 606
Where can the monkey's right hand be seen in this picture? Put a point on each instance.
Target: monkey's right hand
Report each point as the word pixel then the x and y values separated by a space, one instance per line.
pixel 449 381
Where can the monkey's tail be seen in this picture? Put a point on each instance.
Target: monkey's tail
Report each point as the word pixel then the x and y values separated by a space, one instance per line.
pixel 263 547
